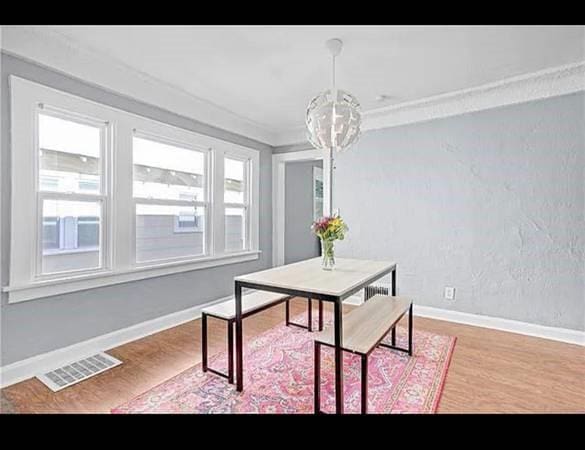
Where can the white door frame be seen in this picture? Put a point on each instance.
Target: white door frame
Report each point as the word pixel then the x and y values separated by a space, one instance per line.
pixel 278 195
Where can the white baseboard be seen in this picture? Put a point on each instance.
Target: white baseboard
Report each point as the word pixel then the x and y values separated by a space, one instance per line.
pixel 30 367
pixel 513 326
pixel 496 323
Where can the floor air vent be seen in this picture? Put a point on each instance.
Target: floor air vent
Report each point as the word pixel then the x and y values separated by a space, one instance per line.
pixel 78 371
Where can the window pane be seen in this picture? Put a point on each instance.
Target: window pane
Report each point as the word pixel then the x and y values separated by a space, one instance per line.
pixel 71 235
pixel 51 232
pixel 69 156
pixel 88 232
pixel 235 229
pixel 165 231
pixel 234 172
pixel 164 171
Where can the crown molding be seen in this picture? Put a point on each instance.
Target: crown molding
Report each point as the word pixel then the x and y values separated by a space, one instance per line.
pixel 561 80
pixel 58 52
pixel 54 50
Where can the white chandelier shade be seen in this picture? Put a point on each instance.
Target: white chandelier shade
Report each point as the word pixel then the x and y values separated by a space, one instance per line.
pixel 333 117
pixel 333 120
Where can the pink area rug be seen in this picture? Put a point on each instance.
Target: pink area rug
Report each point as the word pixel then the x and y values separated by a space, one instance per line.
pixel 278 378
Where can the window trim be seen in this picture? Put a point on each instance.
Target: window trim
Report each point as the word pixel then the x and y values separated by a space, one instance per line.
pixel 119 217
pixel 41 289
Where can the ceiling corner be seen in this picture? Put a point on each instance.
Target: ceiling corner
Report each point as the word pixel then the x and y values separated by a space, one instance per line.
pixel 60 53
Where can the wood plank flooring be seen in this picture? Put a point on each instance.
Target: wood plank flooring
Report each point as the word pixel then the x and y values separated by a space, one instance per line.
pixel 491 371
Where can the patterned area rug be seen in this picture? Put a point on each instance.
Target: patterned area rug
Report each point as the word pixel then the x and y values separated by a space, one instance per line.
pixel 278 378
pixel 6 405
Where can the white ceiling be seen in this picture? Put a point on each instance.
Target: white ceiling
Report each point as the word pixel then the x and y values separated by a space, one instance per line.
pixel 268 74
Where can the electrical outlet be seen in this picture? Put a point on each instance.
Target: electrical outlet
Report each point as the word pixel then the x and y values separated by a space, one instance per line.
pixel 449 293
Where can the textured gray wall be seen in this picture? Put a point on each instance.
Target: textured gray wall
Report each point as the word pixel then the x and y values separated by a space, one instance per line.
pixel 38 326
pixel 299 241
pixel 491 203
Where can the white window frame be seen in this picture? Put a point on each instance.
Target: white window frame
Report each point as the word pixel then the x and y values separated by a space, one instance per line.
pixel 118 212
pixel 102 198
pixel 175 137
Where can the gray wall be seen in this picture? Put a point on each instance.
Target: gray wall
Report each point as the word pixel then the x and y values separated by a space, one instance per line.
pixel 38 326
pixel 299 241
pixel 491 203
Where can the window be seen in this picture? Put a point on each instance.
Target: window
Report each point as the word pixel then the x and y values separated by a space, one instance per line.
pixel 170 197
pixel 116 197
pixel 69 152
pixel 236 204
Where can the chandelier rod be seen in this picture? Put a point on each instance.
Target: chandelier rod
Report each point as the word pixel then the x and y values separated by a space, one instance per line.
pixel 330 150
pixel 333 77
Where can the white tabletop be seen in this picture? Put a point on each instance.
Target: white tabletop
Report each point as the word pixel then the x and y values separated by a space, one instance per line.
pixel 308 276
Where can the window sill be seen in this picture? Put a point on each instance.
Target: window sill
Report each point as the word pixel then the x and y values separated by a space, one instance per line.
pixel 40 289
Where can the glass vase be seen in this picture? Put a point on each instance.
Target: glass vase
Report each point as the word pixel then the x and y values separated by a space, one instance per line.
pixel 328 255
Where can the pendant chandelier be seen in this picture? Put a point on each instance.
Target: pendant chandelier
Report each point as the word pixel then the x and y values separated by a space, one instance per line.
pixel 333 117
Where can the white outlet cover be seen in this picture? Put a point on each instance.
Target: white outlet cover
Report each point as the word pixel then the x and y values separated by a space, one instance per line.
pixel 449 293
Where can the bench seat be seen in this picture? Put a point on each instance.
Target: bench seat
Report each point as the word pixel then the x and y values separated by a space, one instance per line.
pixel 251 302
pixel 364 328
pixel 366 325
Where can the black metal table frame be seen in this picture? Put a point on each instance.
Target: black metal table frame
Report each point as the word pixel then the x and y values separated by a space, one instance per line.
pixel 337 323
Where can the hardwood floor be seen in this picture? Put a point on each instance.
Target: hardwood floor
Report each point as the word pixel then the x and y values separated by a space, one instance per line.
pixel 491 371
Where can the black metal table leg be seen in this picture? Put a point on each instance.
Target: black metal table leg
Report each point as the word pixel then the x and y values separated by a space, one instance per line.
pixel 317 377
pixel 338 327
pixel 310 315
pixel 364 384
pixel 393 336
pixel 320 315
pixel 239 338
pixel 410 330
pixel 309 325
pixel 204 342
pixel 230 326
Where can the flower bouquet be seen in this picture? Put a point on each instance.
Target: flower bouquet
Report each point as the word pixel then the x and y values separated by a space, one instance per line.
pixel 329 229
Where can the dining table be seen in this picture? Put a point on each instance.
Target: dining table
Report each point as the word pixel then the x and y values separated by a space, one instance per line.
pixel 307 279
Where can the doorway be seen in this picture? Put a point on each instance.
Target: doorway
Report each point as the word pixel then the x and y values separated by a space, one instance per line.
pixel 303 204
pixel 299 190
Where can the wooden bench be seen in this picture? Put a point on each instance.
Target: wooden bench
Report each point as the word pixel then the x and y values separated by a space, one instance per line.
pixel 252 303
pixel 364 328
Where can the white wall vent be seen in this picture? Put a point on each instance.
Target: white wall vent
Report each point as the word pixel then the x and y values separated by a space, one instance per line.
pixel 77 371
